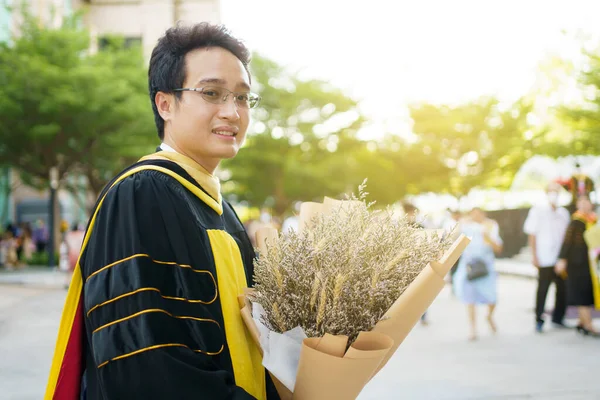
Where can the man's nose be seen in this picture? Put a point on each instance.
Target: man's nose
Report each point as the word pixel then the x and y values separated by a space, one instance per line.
pixel 229 109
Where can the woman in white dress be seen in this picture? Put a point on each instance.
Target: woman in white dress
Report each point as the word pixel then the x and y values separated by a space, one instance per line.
pixel 480 255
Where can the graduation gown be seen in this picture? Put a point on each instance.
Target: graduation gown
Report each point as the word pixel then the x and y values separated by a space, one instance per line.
pixel 152 310
pixel 575 250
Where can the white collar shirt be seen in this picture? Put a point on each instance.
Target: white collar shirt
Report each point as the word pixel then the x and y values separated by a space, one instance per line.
pixel 166 147
pixel 549 226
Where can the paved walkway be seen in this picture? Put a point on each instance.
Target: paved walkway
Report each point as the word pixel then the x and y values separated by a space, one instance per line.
pixel 516 267
pixel 40 277
pixel 436 362
pixel 45 277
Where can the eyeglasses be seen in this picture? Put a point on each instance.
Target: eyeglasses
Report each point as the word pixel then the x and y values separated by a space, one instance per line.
pixel 219 95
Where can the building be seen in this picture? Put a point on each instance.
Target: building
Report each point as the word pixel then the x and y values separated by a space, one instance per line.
pixel 144 21
pixel 140 22
pixel 49 12
pixel 5 23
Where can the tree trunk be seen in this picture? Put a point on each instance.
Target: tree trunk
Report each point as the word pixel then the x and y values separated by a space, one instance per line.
pixel 6 191
pixel 57 223
pixel 281 200
pixel 95 182
pixel 75 191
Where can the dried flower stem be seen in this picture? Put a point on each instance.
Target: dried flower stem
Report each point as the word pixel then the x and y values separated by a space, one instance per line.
pixel 343 274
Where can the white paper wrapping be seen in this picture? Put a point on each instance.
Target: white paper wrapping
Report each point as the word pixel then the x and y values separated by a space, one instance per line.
pixel 281 351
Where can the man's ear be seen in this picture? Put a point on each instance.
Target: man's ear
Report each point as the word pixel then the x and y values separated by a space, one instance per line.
pixel 165 103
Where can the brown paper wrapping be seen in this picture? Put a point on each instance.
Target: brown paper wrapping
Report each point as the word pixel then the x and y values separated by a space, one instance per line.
pixel 324 377
pixel 265 236
pixel 330 205
pixel 308 210
pixel 404 314
pixel 283 392
pixel 326 370
pixel 246 310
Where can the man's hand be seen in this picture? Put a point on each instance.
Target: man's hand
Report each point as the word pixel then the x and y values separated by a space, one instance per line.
pixel 533 245
pixel 561 268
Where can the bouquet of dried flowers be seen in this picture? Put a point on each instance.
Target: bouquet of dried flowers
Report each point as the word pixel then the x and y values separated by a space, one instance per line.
pixel 343 274
pixel 354 281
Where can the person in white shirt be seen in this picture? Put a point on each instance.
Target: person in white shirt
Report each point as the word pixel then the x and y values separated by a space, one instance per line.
pixel 291 223
pixel 452 218
pixel 546 225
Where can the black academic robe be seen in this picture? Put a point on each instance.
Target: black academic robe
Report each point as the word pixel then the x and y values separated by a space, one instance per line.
pixel 575 250
pixel 158 318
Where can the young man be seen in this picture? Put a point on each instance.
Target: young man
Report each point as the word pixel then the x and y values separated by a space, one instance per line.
pixel 152 311
pixel 546 225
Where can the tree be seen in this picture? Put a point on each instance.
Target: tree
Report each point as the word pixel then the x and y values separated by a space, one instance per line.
pixel 478 143
pixel 293 153
pixel 582 119
pixel 61 106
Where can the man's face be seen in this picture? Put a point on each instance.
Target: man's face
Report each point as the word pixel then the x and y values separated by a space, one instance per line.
pixel 552 195
pixel 202 130
pixel 477 215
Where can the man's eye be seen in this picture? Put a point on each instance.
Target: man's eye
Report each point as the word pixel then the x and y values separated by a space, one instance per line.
pixel 211 93
pixel 242 97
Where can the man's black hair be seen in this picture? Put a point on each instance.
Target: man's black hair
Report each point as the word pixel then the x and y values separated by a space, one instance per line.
pixel 167 63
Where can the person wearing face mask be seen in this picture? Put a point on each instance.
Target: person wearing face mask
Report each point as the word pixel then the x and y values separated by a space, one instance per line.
pixel 546 225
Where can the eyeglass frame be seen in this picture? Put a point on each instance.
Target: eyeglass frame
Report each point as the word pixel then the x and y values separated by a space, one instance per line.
pixel 224 99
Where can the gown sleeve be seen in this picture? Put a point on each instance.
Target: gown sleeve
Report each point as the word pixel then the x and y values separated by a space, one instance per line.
pixel 567 245
pixel 152 334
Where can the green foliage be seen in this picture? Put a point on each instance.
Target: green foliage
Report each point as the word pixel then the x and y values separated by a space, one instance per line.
pixel 582 120
pixel 473 144
pixel 62 106
pixel 90 114
pixel 292 154
pixel 293 157
pixel 41 259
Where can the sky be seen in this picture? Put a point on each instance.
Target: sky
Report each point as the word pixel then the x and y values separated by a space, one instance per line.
pixel 389 53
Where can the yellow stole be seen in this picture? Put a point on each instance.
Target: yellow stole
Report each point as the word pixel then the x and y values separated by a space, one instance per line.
pixel 209 182
pixel 231 279
pixel 590 220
